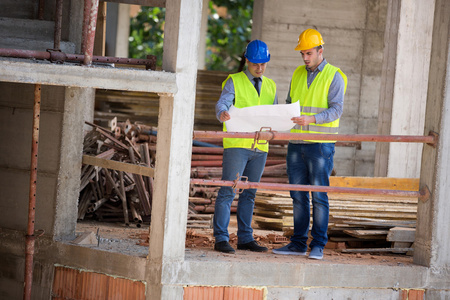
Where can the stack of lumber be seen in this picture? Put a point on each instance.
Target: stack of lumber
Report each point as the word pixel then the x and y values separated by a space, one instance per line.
pixel 353 218
pixel 112 188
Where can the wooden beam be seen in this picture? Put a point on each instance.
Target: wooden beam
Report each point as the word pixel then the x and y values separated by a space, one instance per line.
pixel 118 166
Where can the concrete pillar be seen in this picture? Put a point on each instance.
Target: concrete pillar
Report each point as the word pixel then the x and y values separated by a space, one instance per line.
pixel 432 243
pixel 403 89
pixel 117 29
pixel 258 19
pixel 77 103
pixel 203 32
pixel 173 150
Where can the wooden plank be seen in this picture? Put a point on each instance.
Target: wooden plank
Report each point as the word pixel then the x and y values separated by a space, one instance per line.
pixel 368 234
pixel 407 184
pixel 371 198
pixel 118 166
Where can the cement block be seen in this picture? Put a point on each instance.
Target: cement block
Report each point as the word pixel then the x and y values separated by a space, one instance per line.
pixel 364 168
pixel 376 15
pixel 370 96
pixel 348 125
pixel 367 151
pixel 344 167
pixel 17 128
pixel 18 9
pixel 348 13
pixel 367 126
pixel 373 53
pixel 27 29
pixel 14 200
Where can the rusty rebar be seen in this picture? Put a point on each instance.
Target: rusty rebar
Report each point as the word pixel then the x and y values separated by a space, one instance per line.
pixel 30 237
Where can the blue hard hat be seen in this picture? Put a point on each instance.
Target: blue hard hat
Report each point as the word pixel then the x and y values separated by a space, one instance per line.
pixel 257 52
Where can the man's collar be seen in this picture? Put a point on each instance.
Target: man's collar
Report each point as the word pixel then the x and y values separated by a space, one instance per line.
pixel 250 76
pixel 320 66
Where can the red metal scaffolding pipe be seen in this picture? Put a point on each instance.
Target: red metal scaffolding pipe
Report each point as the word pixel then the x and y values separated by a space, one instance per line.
pixel 30 238
pixel 60 57
pixel 58 23
pixel 273 135
pixel 92 7
pixel 84 30
pixel 238 184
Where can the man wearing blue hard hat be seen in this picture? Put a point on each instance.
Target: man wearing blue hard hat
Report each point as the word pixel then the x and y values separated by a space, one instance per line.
pixel 243 89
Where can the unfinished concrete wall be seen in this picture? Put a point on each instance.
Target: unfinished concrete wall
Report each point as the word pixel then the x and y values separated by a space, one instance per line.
pixel 404 86
pixel 16 113
pixel 353 34
pixel 169 268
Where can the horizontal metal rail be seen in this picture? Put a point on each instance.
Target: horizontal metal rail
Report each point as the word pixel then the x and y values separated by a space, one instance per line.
pixel 423 194
pixel 430 139
pixel 61 57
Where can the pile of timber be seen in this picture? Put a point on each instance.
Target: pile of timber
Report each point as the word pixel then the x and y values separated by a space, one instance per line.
pixel 107 194
pixel 357 220
pixel 118 195
pixel 114 185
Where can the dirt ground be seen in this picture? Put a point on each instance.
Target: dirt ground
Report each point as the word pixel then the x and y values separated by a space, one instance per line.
pixel 131 240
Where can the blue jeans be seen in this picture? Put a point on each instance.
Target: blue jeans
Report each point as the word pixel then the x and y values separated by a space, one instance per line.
pixel 244 162
pixel 310 164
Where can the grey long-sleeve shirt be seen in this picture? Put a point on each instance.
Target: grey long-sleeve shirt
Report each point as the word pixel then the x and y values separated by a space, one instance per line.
pixel 227 97
pixel 335 95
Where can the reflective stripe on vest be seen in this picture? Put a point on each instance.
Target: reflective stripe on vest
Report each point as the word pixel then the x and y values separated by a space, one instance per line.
pixel 245 96
pixel 314 100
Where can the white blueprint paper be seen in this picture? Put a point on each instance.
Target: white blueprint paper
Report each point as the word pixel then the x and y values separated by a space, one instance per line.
pixel 250 119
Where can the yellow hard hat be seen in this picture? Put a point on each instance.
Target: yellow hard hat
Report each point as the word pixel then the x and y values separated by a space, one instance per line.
pixel 308 39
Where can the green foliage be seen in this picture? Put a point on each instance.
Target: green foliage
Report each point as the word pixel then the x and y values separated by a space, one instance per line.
pixel 146 33
pixel 225 41
pixel 227 37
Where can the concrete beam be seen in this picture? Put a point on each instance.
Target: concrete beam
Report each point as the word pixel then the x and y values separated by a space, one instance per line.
pixel 76 76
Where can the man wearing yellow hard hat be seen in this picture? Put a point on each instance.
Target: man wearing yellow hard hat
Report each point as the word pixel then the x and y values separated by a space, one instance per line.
pixel 319 89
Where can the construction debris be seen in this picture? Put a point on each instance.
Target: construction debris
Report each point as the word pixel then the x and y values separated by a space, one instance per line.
pixel 117 186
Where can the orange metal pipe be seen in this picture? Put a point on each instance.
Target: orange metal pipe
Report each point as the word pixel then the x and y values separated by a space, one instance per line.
pixel 30 238
pixel 239 184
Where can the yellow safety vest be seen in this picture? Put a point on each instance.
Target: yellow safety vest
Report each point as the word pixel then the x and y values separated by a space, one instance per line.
pixel 314 99
pixel 245 96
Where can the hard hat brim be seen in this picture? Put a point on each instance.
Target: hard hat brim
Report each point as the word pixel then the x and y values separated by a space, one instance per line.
pixel 259 61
